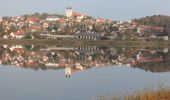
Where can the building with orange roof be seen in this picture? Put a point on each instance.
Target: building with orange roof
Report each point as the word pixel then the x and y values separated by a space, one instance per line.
pixel 18 34
pixel 32 20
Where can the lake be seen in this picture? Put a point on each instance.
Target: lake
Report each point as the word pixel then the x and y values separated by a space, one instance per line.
pixel 41 72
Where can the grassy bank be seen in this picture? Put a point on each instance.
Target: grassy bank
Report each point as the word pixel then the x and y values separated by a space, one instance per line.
pixel 161 94
pixel 84 42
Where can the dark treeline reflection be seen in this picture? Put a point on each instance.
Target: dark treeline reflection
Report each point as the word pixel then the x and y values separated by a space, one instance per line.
pixel 75 59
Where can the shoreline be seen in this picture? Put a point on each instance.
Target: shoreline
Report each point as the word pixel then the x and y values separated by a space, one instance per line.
pixel 84 42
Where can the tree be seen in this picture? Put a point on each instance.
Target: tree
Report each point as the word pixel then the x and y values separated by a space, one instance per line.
pixel 168 29
pixel 1 29
pixel 155 20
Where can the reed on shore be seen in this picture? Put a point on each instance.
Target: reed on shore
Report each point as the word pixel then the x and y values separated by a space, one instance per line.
pixel 149 94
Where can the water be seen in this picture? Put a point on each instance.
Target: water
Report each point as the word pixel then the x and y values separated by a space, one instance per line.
pixel 79 73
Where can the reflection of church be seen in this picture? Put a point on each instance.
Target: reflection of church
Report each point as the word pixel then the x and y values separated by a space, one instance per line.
pixel 68 72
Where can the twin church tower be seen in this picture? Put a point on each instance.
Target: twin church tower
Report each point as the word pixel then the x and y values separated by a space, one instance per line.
pixel 73 14
pixel 69 12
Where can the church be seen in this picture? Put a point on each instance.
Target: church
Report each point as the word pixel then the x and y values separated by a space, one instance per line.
pixel 74 15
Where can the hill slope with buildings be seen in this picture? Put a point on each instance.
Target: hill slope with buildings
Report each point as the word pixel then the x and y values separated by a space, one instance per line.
pixel 155 20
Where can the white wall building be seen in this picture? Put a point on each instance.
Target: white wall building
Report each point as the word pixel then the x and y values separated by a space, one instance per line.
pixel 52 18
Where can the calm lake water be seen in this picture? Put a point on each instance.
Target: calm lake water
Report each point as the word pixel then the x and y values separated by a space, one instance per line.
pixel 79 73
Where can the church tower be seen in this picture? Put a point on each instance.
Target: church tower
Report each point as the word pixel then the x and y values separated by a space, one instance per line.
pixel 69 12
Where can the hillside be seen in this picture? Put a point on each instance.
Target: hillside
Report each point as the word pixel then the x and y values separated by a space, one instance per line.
pixel 155 20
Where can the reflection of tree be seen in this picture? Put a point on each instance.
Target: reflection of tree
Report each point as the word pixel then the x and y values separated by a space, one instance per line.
pixel 154 66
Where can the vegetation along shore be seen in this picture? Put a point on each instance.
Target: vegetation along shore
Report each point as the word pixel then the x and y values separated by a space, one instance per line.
pixel 161 94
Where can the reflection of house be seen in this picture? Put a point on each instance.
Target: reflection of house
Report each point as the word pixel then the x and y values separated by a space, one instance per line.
pixel 62 20
pixel 51 64
pixel 146 60
pixel 32 63
pixel 85 35
pixel 88 49
pixel 19 49
pixel 79 66
pixel 68 71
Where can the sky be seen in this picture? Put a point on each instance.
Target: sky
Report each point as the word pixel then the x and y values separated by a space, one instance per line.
pixel 109 9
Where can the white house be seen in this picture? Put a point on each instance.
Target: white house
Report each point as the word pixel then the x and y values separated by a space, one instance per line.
pixel 52 18
pixel 138 30
pixel 5 37
pixel 165 38
pixel 0 19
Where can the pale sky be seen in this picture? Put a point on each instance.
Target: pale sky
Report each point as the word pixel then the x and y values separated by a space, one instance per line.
pixel 111 9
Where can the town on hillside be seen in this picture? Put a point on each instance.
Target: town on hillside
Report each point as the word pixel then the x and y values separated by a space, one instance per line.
pixel 75 25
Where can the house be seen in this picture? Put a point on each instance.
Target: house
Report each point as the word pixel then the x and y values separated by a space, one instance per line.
pixel 18 18
pixel 62 20
pixel 35 28
pixel 78 16
pixel 32 20
pixel 18 34
pixel 138 30
pixel 165 38
pixel 52 18
pixel 85 35
pixel 45 25
pixel 0 19
pixel 5 37
pixel 100 20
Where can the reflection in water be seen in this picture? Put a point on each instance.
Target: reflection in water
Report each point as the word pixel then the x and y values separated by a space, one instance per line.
pixel 76 59
pixel 79 73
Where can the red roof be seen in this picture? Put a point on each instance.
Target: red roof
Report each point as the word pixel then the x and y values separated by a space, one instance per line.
pixel 61 20
pixel 76 14
pixel 31 63
pixel 33 19
pixel 35 27
pixel 20 32
pixel 101 20
pixel 75 70
pixel 19 50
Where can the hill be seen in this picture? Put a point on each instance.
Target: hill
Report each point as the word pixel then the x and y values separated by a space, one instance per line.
pixel 155 20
